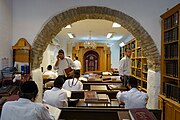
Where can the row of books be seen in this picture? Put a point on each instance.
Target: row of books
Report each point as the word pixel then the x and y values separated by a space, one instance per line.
pixel 139 53
pixel 171 35
pixel 144 75
pixel 171 21
pixel 171 51
pixel 145 68
pixel 132 62
pixel 138 73
pixel 138 65
pixel 172 91
pixel 172 68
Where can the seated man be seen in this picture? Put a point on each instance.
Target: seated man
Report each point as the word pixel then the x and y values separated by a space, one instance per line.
pixel 25 108
pixel 56 96
pixel 133 98
pixel 73 84
pixel 49 74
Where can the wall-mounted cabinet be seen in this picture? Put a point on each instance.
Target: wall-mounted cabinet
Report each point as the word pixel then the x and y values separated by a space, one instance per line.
pixel 22 56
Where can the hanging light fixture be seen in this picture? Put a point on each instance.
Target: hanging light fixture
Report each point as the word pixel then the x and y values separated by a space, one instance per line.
pixel 89 43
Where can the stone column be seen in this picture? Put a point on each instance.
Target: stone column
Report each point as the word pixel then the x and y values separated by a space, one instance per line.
pixel 153 88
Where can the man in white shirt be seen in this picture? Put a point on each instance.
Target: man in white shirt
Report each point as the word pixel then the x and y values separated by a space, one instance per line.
pixel 56 96
pixel 133 98
pixel 24 108
pixel 51 75
pixel 63 63
pixel 73 85
pixel 124 67
pixel 77 64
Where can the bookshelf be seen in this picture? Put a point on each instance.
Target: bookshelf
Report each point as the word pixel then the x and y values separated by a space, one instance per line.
pixel 169 97
pixel 138 63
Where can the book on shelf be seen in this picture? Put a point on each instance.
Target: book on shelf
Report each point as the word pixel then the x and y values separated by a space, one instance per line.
pixel 103 97
pixel 141 114
pixel 90 95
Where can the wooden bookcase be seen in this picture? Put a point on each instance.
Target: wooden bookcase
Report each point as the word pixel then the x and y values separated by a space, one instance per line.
pixel 170 64
pixel 138 63
pixel 22 56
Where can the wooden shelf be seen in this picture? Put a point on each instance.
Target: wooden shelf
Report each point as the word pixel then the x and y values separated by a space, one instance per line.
pixel 170 64
pixel 138 60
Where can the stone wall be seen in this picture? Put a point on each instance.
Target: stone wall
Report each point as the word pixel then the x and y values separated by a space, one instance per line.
pixel 57 22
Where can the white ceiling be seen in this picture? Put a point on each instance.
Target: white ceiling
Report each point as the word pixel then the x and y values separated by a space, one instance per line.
pixel 99 29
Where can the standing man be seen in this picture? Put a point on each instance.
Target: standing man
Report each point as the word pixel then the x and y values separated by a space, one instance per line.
pixel 77 64
pixel 124 67
pixel 63 63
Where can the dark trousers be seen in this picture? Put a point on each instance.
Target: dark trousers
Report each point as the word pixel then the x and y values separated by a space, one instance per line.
pixel 124 80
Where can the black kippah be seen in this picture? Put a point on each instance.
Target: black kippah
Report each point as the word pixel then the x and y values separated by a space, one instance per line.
pixel 29 87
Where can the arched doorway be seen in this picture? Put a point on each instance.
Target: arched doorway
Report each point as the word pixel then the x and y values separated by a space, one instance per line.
pixel 91 60
pixel 57 22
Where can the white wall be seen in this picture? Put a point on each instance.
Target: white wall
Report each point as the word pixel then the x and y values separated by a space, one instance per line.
pixel 5 30
pixel 29 16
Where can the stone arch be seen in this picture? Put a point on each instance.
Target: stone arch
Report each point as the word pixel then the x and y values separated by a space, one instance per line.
pixel 57 22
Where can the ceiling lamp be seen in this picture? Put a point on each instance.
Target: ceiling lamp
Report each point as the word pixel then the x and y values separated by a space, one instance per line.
pixel 116 25
pixel 109 35
pixel 68 26
pixel 89 43
pixel 71 35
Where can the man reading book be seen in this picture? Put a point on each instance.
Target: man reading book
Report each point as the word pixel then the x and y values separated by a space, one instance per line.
pixel 24 108
pixel 133 98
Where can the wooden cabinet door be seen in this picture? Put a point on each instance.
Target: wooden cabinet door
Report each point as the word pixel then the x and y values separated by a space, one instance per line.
pixel 168 111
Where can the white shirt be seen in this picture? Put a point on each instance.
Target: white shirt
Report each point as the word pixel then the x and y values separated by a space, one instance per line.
pixel 55 97
pixel 51 74
pixel 133 98
pixel 24 109
pixel 63 64
pixel 77 64
pixel 76 85
pixel 124 66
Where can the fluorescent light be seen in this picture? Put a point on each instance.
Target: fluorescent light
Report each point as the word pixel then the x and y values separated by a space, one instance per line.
pixel 68 26
pixel 109 35
pixel 116 25
pixel 70 35
pixel 121 44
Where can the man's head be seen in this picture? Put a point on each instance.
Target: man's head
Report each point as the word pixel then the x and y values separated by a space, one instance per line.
pixel 76 58
pixel 59 82
pixel 76 74
pixel 132 82
pixel 128 52
pixel 49 67
pixel 61 54
pixel 28 90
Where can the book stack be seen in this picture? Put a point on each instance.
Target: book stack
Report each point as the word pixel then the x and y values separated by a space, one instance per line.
pixel 103 97
pixel 98 87
pixel 141 114
pixel 90 96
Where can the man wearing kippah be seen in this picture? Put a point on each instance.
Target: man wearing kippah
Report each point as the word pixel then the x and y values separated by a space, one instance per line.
pixel 133 98
pixel 25 108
